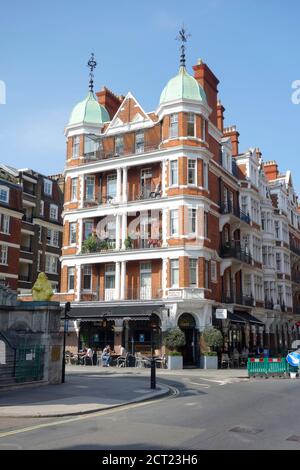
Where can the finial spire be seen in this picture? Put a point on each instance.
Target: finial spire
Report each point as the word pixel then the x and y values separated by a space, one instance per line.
pixel 92 65
pixel 182 37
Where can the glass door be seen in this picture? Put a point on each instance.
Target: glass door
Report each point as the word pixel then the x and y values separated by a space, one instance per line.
pixel 145 281
pixel 109 282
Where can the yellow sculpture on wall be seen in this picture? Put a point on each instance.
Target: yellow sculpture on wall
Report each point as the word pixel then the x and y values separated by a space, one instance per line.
pixel 42 289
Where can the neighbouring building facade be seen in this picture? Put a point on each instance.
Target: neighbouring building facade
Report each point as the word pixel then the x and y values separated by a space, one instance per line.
pixel 30 227
pixel 166 223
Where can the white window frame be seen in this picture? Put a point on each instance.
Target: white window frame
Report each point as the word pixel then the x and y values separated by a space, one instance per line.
pixel 172 269
pixel 4 223
pixel 191 119
pixel 72 232
pixel 53 210
pixel 174 222
pixel 194 171
pixel 4 255
pixel 42 208
pixel 74 185
pixel 173 127
pixel 48 186
pixel 4 190
pixel 174 173
pixel 87 271
pixel 75 146
pixel 49 264
pixel 205 175
pixel 71 273
pixel 195 268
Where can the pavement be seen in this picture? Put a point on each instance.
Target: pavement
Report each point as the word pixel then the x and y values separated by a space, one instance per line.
pixel 94 388
pixel 78 395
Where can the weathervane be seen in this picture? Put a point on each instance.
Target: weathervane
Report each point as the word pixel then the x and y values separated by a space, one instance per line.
pixel 182 37
pixel 92 65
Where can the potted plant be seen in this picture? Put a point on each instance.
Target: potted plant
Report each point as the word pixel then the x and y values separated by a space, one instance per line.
pixel 212 338
pixel 90 245
pixel 173 340
pixel 128 242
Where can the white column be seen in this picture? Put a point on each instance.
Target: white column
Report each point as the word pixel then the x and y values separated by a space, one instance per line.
pixel 117 281
pixel 117 231
pixel 80 235
pixel 164 278
pixel 119 184
pixel 125 184
pixel 123 280
pixel 252 285
pixel 163 178
pixel 81 190
pixel 78 282
pixel 164 227
pixel 124 229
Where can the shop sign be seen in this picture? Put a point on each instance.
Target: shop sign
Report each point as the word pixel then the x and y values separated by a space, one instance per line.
pixel 221 313
pixel 142 338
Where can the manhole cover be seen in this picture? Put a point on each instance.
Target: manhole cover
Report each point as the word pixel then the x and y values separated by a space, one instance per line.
pixel 294 438
pixel 245 430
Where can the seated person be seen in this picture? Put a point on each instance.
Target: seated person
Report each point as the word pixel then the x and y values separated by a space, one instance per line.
pixel 106 356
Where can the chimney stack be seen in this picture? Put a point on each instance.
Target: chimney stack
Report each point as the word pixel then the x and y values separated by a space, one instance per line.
pixel 220 116
pixel 110 101
pixel 209 83
pixel 234 137
pixel 271 170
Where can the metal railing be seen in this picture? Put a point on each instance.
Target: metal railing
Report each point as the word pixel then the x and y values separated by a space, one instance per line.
pixel 106 155
pixel 247 300
pixel 232 250
pixel 228 208
pixel 110 295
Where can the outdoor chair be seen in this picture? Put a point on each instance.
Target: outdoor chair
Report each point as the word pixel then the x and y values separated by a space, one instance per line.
pixel 122 361
pixel 162 361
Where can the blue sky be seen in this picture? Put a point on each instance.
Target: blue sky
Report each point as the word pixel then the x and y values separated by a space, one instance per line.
pixel 251 46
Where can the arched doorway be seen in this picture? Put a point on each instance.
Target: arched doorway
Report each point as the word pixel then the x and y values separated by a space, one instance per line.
pixel 187 324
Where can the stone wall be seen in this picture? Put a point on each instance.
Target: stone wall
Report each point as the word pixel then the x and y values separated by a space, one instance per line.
pixel 29 335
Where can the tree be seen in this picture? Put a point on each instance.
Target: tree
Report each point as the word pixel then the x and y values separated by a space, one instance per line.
pixel 174 339
pixel 213 338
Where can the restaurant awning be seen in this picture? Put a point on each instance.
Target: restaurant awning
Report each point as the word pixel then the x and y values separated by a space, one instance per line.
pixel 234 318
pixel 248 318
pixel 133 312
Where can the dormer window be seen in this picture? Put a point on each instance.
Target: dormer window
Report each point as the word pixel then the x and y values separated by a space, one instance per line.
pixel 191 125
pixel 47 187
pixel 139 142
pixel 173 126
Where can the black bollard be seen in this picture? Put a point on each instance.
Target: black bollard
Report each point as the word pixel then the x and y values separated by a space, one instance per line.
pixel 153 373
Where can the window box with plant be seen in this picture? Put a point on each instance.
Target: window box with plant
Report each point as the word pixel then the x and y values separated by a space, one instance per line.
pixel 173 340
pixel 212 339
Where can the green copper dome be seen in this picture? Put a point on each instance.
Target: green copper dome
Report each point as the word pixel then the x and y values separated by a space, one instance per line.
pixel 182 87
pixel 89 111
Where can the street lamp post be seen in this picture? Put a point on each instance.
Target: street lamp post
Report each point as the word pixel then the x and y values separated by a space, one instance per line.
pixel 153 363
pixel 63 370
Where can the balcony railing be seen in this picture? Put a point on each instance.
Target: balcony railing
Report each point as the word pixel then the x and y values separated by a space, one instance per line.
pixel 110 295
pixel 95 245
pixel 106 155
pixel 29 191
pixel 296 277
pixel 232 250
pixel 28 249
pixel 294 248
pixel 269 304
pixel 228 208
pixel 239 299
pixel 24 278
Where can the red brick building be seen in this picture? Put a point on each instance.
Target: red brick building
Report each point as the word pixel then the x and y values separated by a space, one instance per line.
pixel 164 219
pixel 30 228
